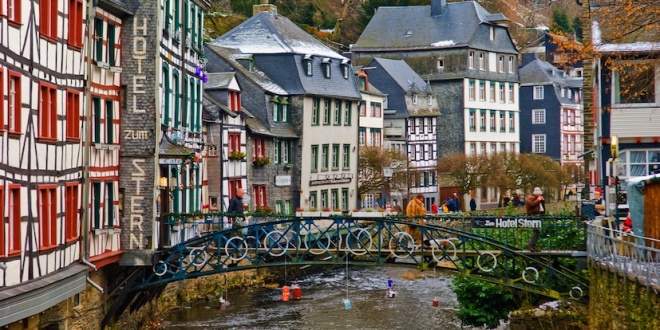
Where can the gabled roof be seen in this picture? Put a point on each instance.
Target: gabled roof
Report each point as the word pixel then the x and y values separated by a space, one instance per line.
pixel 257 127
pixel 415 27
pixel 219 80
pixel 270 33
pixel 404 76
pixel 231 56
pixel 538 72
pixel 118 8
pixel 213 109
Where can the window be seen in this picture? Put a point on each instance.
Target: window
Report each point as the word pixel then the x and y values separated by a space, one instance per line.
pixel 166 94
pixel 420 123
pixel 411 125
pixel 316 104
pixel 440 64
pixel 72 114
pixel 235 101
pixel 176 93
pixel 473 120
pixel 326 112
pixel 315 158
pixel 511 64
pixel 334 199
pixel 313 202
pixel 326 68
pixel 491 94
pixel 48 18
pixel 325 157
pixel 429 99
pixel 538 143
pixel 14 11
pixel 260 198
pixel 502 95
pixel 363 108
pixel 344 70
pixel 96 104
pixel 344 198
pixel 502 122
pixel 471 90
pixel 375 137
pixel 14 215
pixel 335 157
pixel 362 135
pixel 347 113
pixel 429 125
pixel 75 22
pixel 376 109
pixel 414 98
pixel 47 111
pixel 500 64
pixel 111 44
pixel 109 126
pixel 362 81
pixel 71 211
pixel 346 156
pixel 492 121
pixel 482 91
pixel 284 152
pixel 2 224
pixel 482 61
pixel 511 95
pixel 234 185
pixel 482 120
pixel 109 205
pixel 98 36
pixel 538 92
pixel 324 199
pixel 2 101
pixel 258 147
pixel 471 60
pixel 482 149
pixel 47 216
pixel 635 83
pixel 96 205
pixel 640 162
pixel 503 147
pixel 473 148
pixel 337 118
pixel 538 116
pixel 234 142
pixel 512 121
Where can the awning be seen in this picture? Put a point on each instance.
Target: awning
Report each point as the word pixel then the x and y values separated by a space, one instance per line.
pixel 169 149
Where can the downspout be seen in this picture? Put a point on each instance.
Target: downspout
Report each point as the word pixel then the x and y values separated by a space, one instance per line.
pixel 91 12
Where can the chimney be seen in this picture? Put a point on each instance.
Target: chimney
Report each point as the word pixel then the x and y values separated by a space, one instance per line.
pixel 264 6
pixel 438 7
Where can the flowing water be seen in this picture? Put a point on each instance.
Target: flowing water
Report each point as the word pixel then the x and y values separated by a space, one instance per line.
pixel 322 304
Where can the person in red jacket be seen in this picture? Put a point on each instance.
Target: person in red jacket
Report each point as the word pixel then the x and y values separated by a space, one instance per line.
pixel 535 205
pixel 627 224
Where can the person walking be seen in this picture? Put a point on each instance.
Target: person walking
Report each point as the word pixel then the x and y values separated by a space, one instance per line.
pixel 434 208
pixel 236 207
pixel 473 204
pixel 535 205
pixel 457 201
pixel 416 210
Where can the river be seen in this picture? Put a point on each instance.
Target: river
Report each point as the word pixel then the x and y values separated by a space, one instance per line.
pixel 322 304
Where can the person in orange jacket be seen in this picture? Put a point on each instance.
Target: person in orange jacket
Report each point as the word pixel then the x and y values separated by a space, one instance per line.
pixel 416 209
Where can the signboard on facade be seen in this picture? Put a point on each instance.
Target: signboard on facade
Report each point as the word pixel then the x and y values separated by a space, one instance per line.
pixel 282 180
pixel 170 161
pixel 506 223
pixel 329 181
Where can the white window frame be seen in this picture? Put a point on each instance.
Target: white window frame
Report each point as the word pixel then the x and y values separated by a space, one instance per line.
pixel 538 143
pixel 538 116
pixel 471 60
pixel 538 93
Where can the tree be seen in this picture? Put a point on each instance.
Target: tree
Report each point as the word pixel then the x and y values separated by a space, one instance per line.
pixel 560 22
pixel 372 161
pixel 467 172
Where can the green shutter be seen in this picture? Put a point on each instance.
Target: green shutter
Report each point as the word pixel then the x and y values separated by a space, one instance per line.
pixel 97 120
pixel 109 204
pixel 98 34
pixel 109 108
pixel 96 186
pixel 111 45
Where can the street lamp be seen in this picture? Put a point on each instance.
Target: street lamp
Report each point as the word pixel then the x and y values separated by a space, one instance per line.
pixel 387 173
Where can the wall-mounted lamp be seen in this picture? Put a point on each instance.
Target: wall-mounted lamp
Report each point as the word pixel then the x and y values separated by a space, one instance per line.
pixel 163 182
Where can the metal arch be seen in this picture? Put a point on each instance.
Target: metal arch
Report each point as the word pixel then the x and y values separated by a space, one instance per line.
pixel 364 242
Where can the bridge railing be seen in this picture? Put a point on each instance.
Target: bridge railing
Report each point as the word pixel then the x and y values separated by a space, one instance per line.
pixel 514 232
pixel 627 254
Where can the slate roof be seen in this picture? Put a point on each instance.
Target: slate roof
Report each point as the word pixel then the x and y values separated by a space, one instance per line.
pixel 279 46
pixel 168 148
pixel 119 8
pixel 538 72
pixel 257 127
pixel 396 79
pixel 271 33
pixel 218 80
pixel 258 77
pixel 212 108
pixel 414 27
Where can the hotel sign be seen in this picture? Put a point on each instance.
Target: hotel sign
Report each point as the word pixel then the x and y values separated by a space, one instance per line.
pixel 504 223
pixel 330 180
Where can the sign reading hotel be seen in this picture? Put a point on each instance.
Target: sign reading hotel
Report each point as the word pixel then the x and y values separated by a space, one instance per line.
pixel 138 128
pixel 504 223
pixel 332 179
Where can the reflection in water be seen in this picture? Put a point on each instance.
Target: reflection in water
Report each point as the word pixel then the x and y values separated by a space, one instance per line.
pixel 322 304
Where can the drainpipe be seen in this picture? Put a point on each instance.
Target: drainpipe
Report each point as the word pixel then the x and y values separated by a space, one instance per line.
pixel 94 284
pixel 91 12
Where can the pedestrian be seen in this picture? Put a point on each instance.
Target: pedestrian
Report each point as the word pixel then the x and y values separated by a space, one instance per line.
pixel 451 205
pixel 235 209
pixel 457 201
pixel 416 211
pixel 445 207
pixel 434 208
pixel 473 204
pixel 535 205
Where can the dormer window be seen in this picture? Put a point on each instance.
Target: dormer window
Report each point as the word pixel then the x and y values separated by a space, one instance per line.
pixel 325 64
pixel 414 98
pixel 363 83
pixel 492 33
pixel 344 67
pixel 235 101
pixel 430 99
pixel 440 64
pixel 307 64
